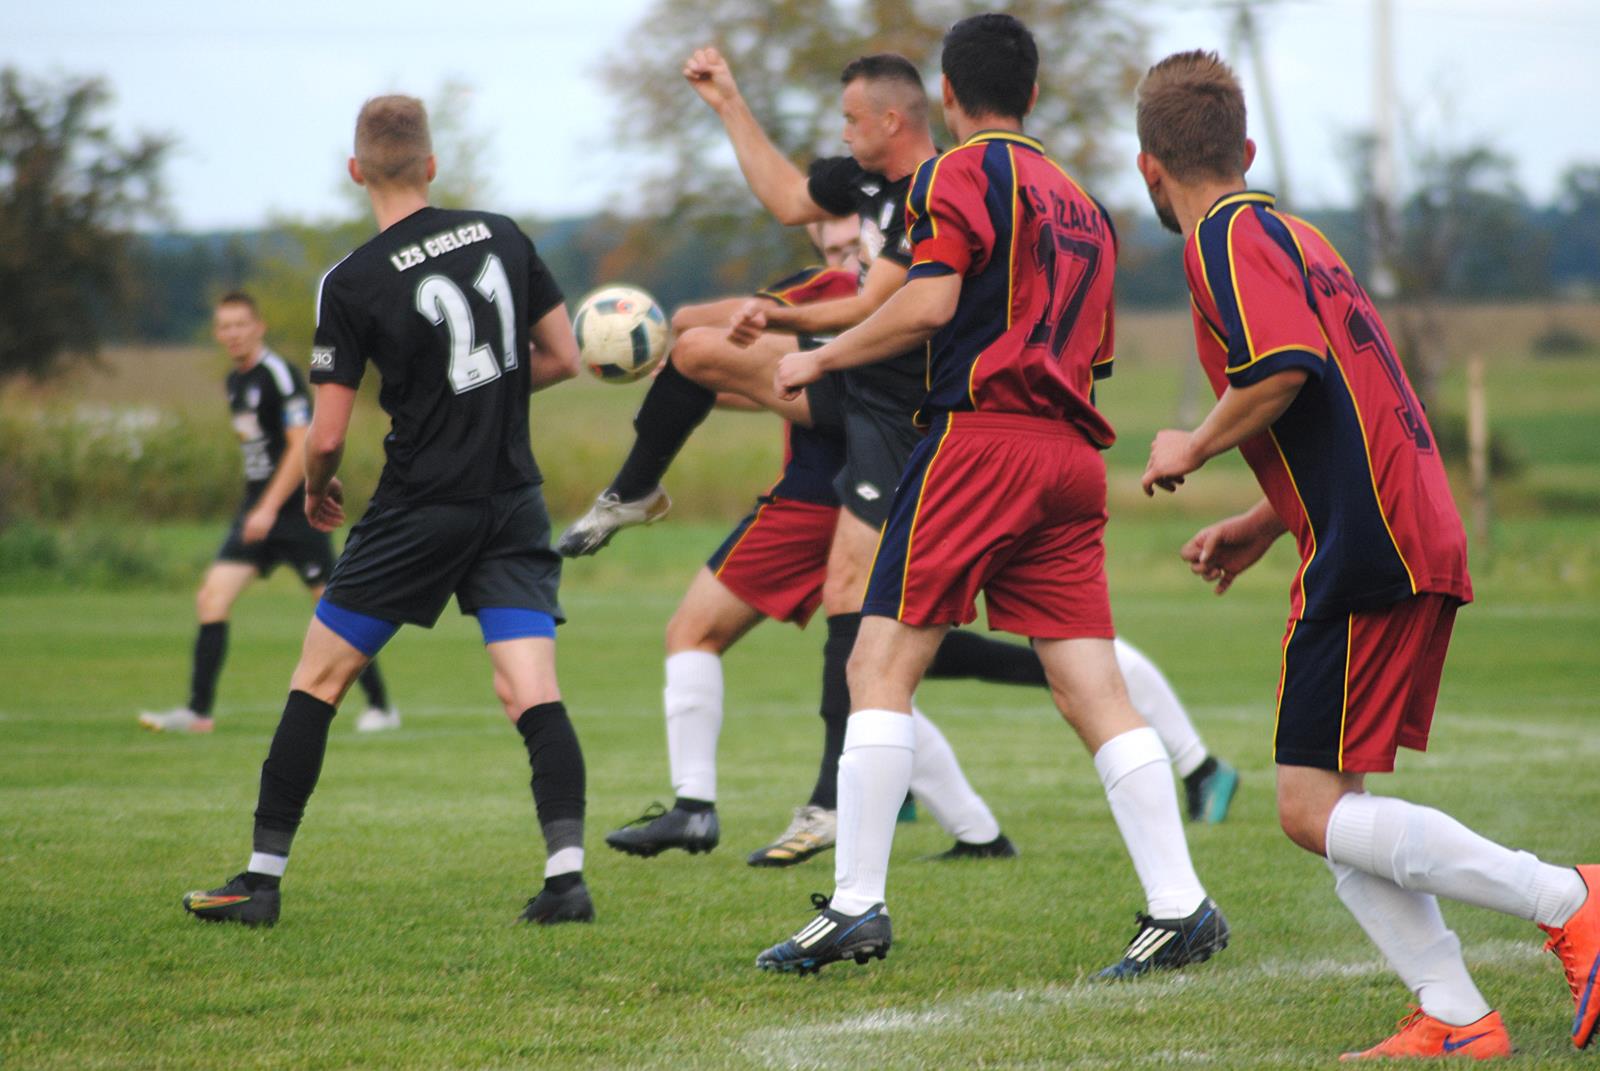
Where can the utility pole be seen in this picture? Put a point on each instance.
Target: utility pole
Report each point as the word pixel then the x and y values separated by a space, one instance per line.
pixel 1246 41
pixel 1383 230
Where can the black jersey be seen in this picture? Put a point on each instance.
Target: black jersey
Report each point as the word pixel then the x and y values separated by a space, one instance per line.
pixel 441 303
pixel 841 186
pixel 265 399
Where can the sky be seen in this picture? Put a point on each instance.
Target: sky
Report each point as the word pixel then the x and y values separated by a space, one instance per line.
pixel 261 99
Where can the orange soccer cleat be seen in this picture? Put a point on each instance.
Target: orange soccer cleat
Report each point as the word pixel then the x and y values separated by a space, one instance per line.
pixel 1577 945
pixel 1422 1037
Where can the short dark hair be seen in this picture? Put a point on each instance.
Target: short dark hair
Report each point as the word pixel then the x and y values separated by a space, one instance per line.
pixel 883 67
pixel 239 297
pixel 1192 116
pixel 992 64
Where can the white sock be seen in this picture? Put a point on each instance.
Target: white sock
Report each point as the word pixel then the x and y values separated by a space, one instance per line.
pixel 1159 705
pixel 874 773
pixel 262 863
pixel 693 704
pixel 566 861
pixel 1423 849
pixel 1411 934
pixel 939 785
pixel 1133 769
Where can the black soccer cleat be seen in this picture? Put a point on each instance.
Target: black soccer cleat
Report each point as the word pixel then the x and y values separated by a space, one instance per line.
pixel 999 848
pixel 1165 944
pixel 658 829
pixel 551 907
pixel 830 938
pixel 235 902
pixel 1208 791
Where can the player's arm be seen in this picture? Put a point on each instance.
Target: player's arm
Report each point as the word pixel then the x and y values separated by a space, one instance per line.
pixel 554 354
pixel 707 313
pixel 1218 553
pixel 908 319
pixel 884 278
pixel 775 181
pixel 1242 413
pixel 285 478
pixel 324 449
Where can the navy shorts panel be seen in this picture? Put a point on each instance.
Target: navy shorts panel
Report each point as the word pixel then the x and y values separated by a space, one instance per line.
pixel 404 562
pixel 292 542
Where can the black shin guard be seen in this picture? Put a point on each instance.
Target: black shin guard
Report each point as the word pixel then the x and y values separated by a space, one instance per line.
pixel 558 774
pixel 290 773
pixel 835 708
pixel 372 685
pixel 210 649
pixel 964 654
pixel 673 407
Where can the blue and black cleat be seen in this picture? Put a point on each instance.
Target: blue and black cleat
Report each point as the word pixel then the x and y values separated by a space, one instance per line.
pixel 829 938
pixel 1165 944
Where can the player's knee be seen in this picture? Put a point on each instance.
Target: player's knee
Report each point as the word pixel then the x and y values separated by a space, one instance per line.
pixel 688 631
pixel 694 354
pixel 211 604
pixel 842 592
pixel 1303 822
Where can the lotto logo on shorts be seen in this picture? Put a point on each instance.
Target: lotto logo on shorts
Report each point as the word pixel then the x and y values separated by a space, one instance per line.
pixel 322 357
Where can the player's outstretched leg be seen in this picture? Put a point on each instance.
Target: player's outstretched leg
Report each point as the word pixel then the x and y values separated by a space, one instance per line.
pixel 338 644
pixel 673 407
pixel 222 585
pixel 1422 851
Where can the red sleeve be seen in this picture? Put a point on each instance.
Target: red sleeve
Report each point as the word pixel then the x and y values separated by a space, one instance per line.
pixel 946 217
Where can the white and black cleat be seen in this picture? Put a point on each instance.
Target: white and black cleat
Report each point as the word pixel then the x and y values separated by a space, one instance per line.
pixel 608 516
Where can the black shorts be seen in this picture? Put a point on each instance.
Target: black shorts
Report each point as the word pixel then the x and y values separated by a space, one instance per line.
pixel 292 541
pixel 878 439
pixel 403 562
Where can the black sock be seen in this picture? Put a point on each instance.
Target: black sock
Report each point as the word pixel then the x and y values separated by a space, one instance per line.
pixel 558 774
pixel 693 806
pixel 673 407
pixel 372 684
pixel 964 654
pixel 210 648
pixel 835 708
pixel 294 762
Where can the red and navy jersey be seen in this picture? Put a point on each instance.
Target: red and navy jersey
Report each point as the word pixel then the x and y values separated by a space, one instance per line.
pixel 1033 328
pixel 811 458
pixel 1351 467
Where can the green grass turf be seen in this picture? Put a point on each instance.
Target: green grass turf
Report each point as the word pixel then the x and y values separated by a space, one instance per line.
pixel 396 948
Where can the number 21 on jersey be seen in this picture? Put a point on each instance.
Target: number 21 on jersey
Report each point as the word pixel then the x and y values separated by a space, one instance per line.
pixel 441 301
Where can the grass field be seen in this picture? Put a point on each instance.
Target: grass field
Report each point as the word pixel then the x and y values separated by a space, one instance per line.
pixel 395 949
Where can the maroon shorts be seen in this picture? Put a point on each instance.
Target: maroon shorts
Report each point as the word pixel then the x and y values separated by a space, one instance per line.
pixel 1010 505
pixel 1355 689
pixel 777 557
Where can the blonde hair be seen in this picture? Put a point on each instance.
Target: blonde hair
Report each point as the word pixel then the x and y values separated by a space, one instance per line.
pixel 1192 117
pixel 392 141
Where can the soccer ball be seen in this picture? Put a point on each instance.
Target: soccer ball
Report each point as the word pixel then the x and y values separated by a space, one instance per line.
pixel 622 333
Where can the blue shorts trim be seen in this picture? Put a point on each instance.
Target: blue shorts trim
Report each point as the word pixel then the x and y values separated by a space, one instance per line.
pixel 514 623
pixel 364 632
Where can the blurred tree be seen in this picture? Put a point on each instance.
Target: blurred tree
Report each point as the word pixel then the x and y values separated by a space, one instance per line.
pixel 787 55
pixel 70 194
pixel 1575 244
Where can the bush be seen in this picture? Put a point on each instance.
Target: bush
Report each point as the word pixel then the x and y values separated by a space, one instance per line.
pixel 1558 340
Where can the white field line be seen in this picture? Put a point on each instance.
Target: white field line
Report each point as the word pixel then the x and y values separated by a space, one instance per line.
pixel 866 1040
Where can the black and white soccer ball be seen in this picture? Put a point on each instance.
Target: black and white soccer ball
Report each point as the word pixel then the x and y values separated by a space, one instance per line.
pixel 622 333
